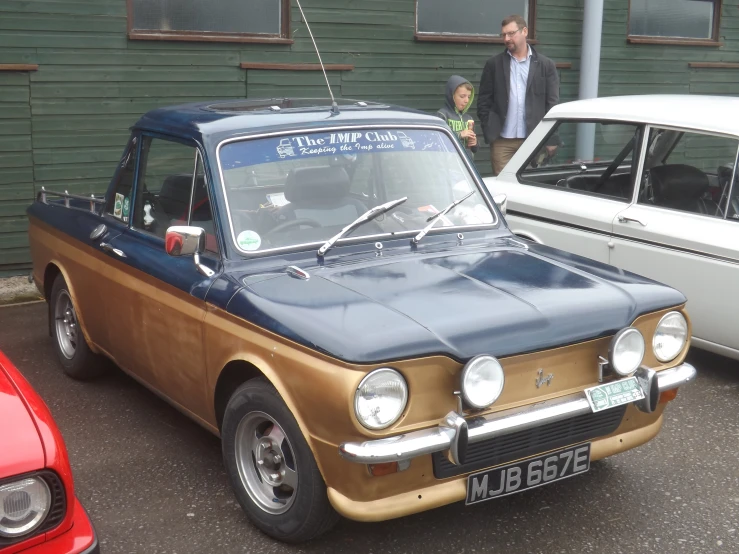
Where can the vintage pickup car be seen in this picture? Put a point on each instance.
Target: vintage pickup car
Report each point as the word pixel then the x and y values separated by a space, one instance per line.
pixel 336 294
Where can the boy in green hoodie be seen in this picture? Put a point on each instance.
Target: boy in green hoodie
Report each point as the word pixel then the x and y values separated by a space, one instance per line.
pixel 459 96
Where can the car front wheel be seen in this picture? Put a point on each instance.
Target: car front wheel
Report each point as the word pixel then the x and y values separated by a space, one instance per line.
pixel 271 468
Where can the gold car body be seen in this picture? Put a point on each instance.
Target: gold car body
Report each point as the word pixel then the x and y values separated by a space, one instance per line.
pixel 186 350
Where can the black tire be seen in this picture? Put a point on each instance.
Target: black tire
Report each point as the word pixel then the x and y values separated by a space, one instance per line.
pixel 75 356
pixel 309 513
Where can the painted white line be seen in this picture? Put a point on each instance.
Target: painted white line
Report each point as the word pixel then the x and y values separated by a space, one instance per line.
pixel 22 303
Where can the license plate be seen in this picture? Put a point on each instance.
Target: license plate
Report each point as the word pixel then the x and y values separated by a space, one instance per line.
pixel 528 474
pixel 610 395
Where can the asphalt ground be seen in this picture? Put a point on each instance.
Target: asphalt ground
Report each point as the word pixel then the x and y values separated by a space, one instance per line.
pixel 153 481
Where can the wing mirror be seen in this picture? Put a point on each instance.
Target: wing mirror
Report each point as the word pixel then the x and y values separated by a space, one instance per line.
pixel 501 200
pixel 187 241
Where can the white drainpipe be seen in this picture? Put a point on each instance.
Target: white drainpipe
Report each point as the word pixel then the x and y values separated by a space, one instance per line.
pixel 592 28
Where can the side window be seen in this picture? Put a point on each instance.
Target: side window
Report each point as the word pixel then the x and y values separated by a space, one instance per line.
pixel 602 162
pixel 690 172
pixel 119 203
pixel 165 184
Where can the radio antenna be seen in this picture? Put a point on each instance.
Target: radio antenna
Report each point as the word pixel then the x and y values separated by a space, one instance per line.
pixel 334 105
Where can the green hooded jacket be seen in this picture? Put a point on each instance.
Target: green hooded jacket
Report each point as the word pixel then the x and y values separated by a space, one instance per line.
pixel 457 120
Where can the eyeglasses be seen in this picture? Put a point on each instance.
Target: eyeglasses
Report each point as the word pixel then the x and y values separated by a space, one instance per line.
pixel 506 35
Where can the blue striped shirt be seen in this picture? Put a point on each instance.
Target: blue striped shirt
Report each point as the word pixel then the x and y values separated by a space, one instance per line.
pixel 515 121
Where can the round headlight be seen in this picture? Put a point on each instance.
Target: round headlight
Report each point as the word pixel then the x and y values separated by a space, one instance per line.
pixel 482 381
pixel 627 351
pixel 380 398
pixel 670 336
pixel 23 506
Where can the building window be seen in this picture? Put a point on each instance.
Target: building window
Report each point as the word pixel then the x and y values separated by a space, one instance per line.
pixel 469 20
pixel 674 21
pixel 210 20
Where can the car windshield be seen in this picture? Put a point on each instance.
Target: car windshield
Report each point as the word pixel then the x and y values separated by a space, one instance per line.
pixel 302 189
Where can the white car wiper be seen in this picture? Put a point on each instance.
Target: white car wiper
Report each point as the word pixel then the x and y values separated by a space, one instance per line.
pixel 369 215
pixel 434 218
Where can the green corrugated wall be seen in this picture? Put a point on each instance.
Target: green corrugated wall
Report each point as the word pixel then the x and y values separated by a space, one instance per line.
pixel 64 126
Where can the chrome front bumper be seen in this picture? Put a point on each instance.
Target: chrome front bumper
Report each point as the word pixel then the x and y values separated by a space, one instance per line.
pixel 454 432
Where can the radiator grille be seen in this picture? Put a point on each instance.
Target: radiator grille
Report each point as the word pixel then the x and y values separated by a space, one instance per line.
pixel 522 444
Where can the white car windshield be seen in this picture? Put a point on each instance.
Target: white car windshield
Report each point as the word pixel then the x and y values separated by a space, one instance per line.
pixel 302 189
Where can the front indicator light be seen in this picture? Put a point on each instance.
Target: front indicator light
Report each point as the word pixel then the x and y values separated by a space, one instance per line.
pixel 667 396
pixel 388 468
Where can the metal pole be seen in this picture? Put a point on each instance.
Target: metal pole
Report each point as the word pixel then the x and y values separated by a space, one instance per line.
pixel 592 30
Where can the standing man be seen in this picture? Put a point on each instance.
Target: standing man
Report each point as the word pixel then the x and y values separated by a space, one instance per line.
pixel 517 88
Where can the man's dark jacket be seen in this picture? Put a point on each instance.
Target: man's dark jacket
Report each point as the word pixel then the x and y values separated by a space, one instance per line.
pixel 542 92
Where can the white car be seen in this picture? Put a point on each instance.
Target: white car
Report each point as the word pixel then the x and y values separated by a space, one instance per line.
pixel 644 183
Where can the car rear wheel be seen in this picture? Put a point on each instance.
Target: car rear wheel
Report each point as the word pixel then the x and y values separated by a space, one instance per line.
pixel 271 468
pixel 77 360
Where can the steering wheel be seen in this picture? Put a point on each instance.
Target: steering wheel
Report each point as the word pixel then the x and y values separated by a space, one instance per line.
pixel 293 223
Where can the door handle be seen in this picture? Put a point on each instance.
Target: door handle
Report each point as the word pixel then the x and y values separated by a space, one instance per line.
pixel 109 248
pixel 624 219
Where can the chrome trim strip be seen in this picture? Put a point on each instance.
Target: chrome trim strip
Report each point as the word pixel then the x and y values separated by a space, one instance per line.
pixel 714 347
pixel 525 215
pixel 442 437
pixel 528 417
pixel 476 178
pixel 639 177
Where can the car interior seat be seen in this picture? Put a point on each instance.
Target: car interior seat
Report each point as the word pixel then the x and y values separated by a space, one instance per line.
pixel 682 187
pixel 174 198
pixel 320 193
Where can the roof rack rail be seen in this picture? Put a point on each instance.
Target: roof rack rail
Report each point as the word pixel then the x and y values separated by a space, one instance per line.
pixel 41 197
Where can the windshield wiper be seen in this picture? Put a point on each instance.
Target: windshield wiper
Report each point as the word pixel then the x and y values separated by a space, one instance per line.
pixel 434 218
pixel 369 215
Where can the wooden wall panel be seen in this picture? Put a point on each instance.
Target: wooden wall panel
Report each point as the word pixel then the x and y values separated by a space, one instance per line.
pixel 65 125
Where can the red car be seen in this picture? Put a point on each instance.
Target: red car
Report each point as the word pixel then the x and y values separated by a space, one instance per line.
pixel 39 512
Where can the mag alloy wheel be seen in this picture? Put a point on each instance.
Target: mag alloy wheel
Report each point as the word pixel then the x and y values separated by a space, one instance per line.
pixel 266 463
pixel 67 328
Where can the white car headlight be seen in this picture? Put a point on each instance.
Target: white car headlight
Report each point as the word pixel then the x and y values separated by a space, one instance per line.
pixel 670 336
pixel 626 351
pixel 23 506
pixel 380 398
pixel 482 381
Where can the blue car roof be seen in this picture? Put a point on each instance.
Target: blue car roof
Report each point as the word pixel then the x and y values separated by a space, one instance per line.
pixel 217 120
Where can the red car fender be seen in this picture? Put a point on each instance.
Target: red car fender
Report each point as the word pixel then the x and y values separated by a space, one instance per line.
pixel 55 452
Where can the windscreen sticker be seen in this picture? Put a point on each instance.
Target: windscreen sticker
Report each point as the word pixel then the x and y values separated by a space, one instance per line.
pixel 266 150
pixel 249 240
pixel 118 206
pixel 126 208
